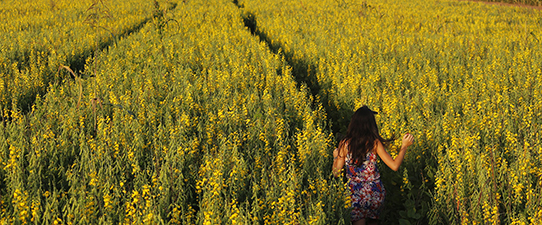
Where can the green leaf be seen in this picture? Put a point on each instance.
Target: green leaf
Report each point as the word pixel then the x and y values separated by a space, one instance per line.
pixel 404 222
pixel 410 213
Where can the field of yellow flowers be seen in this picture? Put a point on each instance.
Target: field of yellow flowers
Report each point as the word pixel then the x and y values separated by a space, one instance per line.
pixel 190 120
pixel 227 112
pixel 464 77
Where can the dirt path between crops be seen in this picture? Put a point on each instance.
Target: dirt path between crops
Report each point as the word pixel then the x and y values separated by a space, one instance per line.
pixel 506 4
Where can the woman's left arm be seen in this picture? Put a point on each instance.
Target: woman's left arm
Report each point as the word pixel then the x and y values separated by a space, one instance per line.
pixel 338 161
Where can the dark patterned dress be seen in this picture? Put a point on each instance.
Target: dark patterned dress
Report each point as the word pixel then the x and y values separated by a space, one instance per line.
pixel 367 190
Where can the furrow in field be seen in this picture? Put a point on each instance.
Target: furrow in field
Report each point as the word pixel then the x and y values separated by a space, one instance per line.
pixel 195 121
pixel 40 36
pixel 304 71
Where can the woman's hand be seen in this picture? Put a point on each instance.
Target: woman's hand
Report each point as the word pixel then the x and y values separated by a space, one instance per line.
pixel 408 139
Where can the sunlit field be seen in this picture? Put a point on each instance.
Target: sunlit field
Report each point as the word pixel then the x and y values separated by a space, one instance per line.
pixel 227 112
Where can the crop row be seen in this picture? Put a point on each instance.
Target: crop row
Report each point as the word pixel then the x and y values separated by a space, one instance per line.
pixel 38 37
pixel 463 77
pixel 190 120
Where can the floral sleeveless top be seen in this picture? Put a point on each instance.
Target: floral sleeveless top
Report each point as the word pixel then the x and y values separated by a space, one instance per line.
pixel 368 171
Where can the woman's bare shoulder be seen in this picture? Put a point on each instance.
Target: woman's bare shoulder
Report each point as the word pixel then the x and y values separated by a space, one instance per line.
pixel 377 144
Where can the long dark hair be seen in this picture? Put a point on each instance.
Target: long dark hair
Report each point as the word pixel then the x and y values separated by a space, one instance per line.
pixel 361 134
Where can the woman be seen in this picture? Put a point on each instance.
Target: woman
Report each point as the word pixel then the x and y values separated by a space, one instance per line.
pixel 358 152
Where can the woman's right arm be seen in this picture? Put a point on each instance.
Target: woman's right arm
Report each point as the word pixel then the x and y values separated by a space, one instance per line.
pixel 338 161
pixel 394 164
